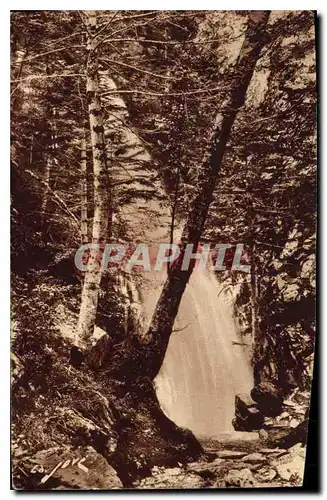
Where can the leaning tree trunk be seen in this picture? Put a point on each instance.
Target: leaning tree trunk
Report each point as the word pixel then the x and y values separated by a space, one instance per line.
pixel 174 209
pixel 90 292
pixel 161 326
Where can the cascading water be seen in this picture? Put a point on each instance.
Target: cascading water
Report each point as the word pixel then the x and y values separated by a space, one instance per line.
pixel 205 366
pixel 203 369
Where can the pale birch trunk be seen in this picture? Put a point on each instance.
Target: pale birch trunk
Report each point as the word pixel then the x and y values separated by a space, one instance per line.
pixel 90 292
pixel 49 164
pixel 46 184
pixel 17 72
pixel 161 326
pixel 84 226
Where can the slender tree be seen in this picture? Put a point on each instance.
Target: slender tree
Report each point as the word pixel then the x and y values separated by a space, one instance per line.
pixel 90 292
pixel 84 203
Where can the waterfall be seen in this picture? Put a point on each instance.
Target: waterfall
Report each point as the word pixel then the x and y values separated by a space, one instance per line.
pixel 203 368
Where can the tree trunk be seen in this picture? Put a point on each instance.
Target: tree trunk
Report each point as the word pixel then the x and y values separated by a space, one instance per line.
pixel 46 183
pixel 174 211
pixel 84 228
pixel 254 298
pixel 51 160
pixel 160 329
pixel 254 295
pixel 90 293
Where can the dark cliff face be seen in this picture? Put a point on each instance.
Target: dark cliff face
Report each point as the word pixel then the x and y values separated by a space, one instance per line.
pixel 283 346
pixel 284 340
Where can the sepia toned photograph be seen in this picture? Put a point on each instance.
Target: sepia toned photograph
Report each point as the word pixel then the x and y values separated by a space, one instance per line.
pixel 163 248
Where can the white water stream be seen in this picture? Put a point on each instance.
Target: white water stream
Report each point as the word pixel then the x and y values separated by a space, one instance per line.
pixel 203 369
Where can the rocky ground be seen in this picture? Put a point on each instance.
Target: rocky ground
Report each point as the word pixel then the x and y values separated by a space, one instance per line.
pixel 234 464
pixel 254 460
pixel 50 429
pixel 226 463
pixel 253 467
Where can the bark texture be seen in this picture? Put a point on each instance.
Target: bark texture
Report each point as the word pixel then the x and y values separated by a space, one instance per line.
pixel 84 228
pixel 90 293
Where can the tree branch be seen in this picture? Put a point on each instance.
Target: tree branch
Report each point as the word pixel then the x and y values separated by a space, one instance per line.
pixel 160 42
pixel 41 77
pixel 57 198
pixel 163 94
pixel 139 69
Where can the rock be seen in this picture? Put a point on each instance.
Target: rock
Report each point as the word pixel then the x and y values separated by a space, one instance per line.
pixel 285 414
pixel 100 476
pixel 244 401
pixel 302 398
pixel 294 423
pixel 268 422
pixel 238 424
pixel 292 470
pixel 173 478
pixel 240 479
pixel 230 454
pixel 263 434
pixel 266 474
pixel 293 436
pixel 252 422
pixel 273 451
pixel 276 425
pixel 290 467
pixel 290 404
pixel 99 353
pixel 297 450
pixel 70 469
pixel 76 356
pixel 216 462
pixel 247 415
pixel 205 469
pixel 268 397
pixel 254 458
pixel 19 452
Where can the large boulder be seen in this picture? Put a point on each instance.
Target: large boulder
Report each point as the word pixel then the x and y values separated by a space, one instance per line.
pixel 247 415
pixel 268 398
pixel 239 479
pixel 67 468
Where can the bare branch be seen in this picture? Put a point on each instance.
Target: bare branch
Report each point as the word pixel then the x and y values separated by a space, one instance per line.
pixel 64 38
pixel 83 21
pixel 41 77
pixel 137 16
pixel 139 69
pixel 181 329
pixel 160 42
pixel 164 94
pixel 103 28
pixel 52 52
pixel 128 26
pixel 57 198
